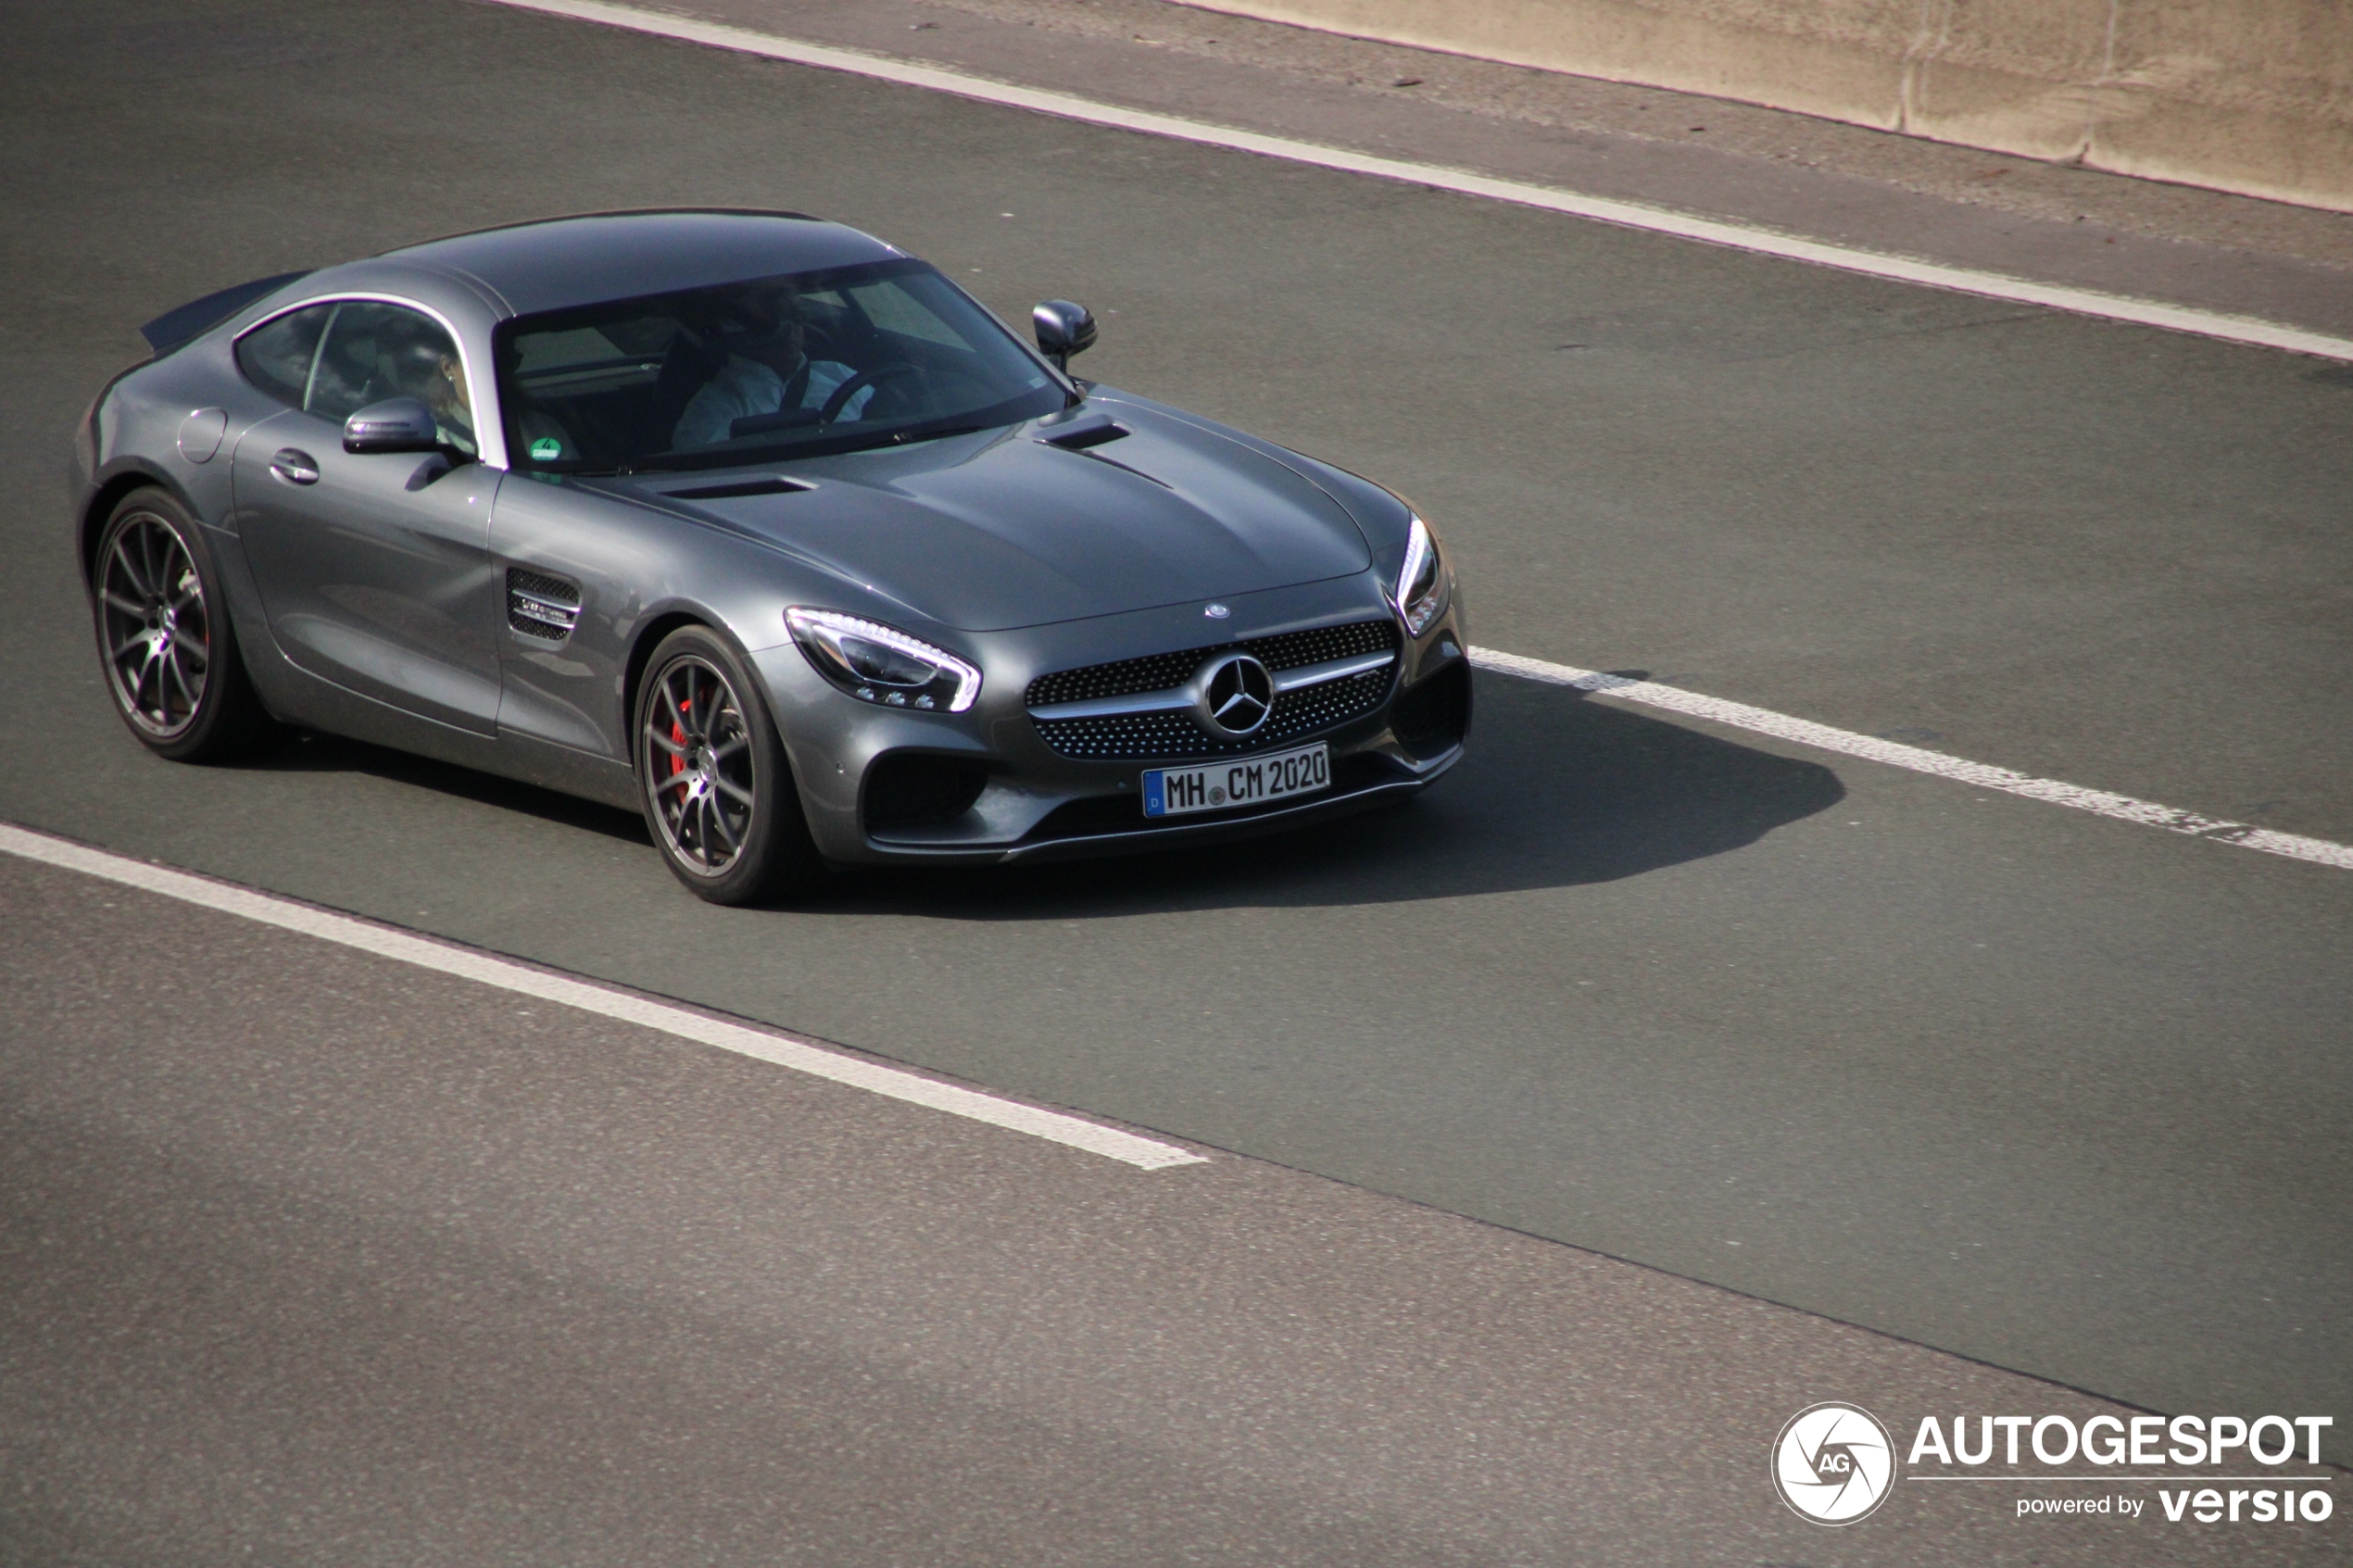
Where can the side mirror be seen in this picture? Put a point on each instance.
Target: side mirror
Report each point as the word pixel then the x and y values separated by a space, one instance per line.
pixel 397 424
pixel 1065 327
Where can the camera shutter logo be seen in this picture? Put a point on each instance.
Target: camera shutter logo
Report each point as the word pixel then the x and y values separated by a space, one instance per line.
pixel 1833 1463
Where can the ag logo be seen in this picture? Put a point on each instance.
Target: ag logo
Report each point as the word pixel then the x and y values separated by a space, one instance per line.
pixel 1833 1463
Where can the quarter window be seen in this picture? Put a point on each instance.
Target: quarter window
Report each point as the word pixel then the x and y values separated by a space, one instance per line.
pixel 277 358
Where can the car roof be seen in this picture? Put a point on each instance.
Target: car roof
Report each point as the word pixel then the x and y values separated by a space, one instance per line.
pixel 560 262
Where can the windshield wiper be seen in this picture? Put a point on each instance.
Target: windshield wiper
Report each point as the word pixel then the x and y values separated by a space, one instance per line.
pixel 900 437
pixel 903 438
pixel 814 447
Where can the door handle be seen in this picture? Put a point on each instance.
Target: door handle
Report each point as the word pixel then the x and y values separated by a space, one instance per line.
pixel 295 467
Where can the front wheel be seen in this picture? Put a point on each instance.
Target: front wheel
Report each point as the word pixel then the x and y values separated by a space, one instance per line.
pixel 163 630
pixel 719 795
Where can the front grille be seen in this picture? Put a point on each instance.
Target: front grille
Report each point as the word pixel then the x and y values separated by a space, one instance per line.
pixel 1324 643
pixel 1157 672
pixel 1136 736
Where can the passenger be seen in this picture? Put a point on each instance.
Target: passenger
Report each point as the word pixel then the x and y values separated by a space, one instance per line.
pixel 767 371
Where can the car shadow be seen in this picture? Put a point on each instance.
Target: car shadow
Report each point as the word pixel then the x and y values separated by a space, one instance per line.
pixel 303 751
pixel 1557 790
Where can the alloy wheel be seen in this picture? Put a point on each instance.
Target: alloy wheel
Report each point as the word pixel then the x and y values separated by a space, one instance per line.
pixel 699 767
pixel 156 625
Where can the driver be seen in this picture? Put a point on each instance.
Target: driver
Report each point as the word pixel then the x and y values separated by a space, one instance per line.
pixel 766 372
pixel 416 360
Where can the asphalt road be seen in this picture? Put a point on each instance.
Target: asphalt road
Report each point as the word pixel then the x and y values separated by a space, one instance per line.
pixel 308 1257
pixel 2060 1094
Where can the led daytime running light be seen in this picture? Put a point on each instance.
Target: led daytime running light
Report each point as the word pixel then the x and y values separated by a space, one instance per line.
pixel 1418 602
pixel 821 633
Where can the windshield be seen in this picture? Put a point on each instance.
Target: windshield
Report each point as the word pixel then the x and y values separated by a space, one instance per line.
pixel 791 366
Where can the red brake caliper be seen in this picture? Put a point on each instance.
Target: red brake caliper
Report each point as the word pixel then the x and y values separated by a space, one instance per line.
pixel 678 739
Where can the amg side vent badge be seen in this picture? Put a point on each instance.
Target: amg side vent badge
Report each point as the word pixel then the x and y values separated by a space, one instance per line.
pixel 542 606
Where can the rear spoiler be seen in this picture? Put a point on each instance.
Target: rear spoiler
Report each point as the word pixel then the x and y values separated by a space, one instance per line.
pixel 174 328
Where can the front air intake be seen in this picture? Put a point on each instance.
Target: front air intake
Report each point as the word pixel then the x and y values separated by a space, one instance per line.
pixel 907 790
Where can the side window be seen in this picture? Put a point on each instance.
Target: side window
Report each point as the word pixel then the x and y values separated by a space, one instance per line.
pixel 277 358
pixel 374 351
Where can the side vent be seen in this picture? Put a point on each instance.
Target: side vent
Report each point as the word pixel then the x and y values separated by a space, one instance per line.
pixel 542 606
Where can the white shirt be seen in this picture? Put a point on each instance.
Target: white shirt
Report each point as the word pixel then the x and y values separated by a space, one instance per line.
pixel 744 387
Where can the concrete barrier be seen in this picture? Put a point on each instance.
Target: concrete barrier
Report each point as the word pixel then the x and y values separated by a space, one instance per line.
pixel 2249 95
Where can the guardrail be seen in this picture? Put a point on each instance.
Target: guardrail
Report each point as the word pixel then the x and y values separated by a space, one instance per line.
pixel 2254 96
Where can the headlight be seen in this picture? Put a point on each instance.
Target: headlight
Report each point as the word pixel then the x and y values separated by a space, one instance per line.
pixel 880 664
pixel 1421 582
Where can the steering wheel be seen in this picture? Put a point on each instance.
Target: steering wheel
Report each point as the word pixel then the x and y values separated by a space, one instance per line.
pixel 864 378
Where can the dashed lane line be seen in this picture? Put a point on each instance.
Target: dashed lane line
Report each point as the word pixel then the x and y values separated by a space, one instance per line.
pixel 472 963
pixel 2217 324
pixel 1805 732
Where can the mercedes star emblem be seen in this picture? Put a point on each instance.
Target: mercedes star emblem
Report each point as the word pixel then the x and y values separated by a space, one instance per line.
pixel 1234 694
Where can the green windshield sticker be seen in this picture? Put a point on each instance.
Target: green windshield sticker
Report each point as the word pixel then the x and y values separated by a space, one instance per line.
pixel 546 446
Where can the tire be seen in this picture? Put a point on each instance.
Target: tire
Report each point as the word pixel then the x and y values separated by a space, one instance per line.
pixel 719 795
pixel 165 638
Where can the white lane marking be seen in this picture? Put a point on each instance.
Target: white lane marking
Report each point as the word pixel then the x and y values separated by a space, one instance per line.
pixel 471 964
pixel 1871 747
pixel 1632 215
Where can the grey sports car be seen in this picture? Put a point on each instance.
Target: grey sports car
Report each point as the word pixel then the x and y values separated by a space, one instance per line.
pixel 762 527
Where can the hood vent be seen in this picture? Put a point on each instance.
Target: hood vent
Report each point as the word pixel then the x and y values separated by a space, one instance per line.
pixel 541 606
pixel 739 489
pixel 1085 434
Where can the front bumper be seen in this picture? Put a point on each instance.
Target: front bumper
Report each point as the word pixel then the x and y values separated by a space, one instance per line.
pixel 1184 832
pixel 1026 801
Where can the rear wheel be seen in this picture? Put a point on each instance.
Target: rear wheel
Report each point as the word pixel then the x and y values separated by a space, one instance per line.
pixel 164 634
pixel 719 795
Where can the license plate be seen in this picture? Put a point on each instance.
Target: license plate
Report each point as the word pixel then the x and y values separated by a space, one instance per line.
pixel 1216 787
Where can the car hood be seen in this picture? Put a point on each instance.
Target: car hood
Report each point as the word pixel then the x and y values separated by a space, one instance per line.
pixel 991 531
